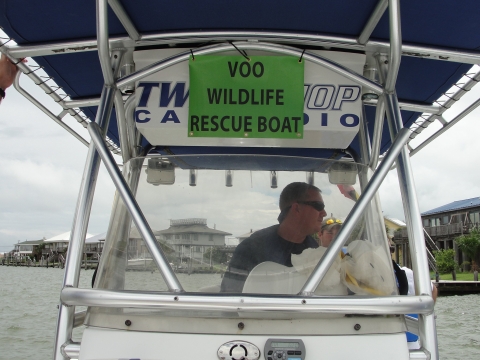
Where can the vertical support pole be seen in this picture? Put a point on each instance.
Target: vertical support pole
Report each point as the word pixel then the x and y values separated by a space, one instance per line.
pixel 66 314
pixel 117 56
pixel 102 41
pixel 80 224
pixel 427 327
pixel 365 152
pixel 364 137
pixel 377 133
pixel 395 55
pixel 122 127
pixel 133 140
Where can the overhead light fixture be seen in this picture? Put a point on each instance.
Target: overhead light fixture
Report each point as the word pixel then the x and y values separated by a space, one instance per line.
pixel 273 179
pixel 192 177
pixel 160 172
pixel 228 178
pixel 310 178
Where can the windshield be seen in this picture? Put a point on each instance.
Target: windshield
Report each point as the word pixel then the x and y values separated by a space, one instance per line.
pixel 251 224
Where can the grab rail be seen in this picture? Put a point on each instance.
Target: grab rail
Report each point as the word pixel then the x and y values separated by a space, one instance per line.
pixel 368 305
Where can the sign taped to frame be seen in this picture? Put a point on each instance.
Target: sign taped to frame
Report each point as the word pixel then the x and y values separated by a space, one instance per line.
pixel 235 97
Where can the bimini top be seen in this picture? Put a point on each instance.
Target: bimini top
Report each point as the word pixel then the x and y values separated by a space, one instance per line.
pixel 440 38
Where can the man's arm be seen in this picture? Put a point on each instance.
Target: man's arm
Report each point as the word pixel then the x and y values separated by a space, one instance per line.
pixel 8 70
pixel 434 293
pixel 7 74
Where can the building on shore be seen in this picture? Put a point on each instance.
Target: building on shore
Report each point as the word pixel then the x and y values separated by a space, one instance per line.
pixel 442 225
pixel 59 243
pixel 36 249
pixel 191 238
pixel 393 225
pixel 30 248
pixel 94 245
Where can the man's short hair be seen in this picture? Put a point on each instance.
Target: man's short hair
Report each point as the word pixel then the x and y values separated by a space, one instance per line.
pixel 296 191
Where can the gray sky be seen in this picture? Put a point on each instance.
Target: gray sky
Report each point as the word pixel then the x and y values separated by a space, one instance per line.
pixel 41 167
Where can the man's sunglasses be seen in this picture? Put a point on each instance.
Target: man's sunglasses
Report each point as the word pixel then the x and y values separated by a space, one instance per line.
pixel 317 205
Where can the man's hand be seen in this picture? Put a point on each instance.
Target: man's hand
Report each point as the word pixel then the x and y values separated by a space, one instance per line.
pixel 7 72
pixel 349 192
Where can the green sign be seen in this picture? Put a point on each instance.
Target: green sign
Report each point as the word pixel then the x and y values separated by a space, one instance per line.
pixel 232 97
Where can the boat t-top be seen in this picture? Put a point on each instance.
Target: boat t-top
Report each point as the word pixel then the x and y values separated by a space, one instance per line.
pixel 204 114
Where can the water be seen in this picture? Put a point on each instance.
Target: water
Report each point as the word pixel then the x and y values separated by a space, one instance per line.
pixel 29 298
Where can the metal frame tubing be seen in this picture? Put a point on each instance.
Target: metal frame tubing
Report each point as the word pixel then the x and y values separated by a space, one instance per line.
pixel 133 139
pixel 117 56
pixel 427 328
pixel 437 116
pixel 377 132
pixel 275 48
pixel 66 315
pixel 404 105
pixel 342 42
pixel 71 104
pixel 80 224
pixel 372 21
pixel 447 126
pixel 57 119
pixel 395 55
pixel 365 151
pixel 292 305
pixel 79 318
pixel 412 324
pixel 364 139
pixel 462 90
pixel 125 145
pixel 71 350
pixel 124 19
pixel 427 331
pixel 332 252
pixel 102 40
pixel 134 210
pixel 50 92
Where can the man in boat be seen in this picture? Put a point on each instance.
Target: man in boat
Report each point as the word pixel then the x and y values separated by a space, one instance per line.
pixel 301 214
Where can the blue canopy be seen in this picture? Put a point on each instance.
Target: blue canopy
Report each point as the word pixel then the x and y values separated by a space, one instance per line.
pixel 436 23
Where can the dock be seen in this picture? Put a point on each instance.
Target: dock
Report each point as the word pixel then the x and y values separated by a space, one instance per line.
pixel 59 263
pixel 450 287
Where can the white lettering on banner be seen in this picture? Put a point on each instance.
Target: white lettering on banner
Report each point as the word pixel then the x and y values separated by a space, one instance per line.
pixel 332 104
